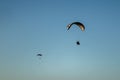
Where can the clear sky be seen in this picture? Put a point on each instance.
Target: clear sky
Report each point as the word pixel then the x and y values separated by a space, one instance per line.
pixel 29 27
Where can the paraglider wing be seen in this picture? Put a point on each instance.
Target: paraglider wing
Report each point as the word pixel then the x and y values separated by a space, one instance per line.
pixel 82 27
pixel 39 54
pixel 68 27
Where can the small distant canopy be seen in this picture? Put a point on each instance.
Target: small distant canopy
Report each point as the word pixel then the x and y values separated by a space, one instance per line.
pixel 80 25
pixel 39 54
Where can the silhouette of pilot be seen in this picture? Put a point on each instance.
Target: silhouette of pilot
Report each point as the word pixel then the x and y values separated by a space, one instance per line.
pixel 78 43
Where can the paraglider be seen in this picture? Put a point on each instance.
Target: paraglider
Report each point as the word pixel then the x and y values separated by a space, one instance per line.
pixel 39 54
pixel 79 24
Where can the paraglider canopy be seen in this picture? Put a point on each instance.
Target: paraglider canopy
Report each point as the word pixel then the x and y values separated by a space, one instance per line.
pixel 39 54
pixel 80 25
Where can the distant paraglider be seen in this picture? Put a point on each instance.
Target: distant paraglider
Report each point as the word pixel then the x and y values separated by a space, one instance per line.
pixel 80 25
pixel 39 55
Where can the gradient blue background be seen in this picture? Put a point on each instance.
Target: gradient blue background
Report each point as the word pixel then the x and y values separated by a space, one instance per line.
pixel 29 27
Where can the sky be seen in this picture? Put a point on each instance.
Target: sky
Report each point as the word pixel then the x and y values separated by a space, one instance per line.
pixel 31 27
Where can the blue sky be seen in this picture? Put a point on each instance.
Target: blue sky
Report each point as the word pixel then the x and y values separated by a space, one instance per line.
pixel 29 27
